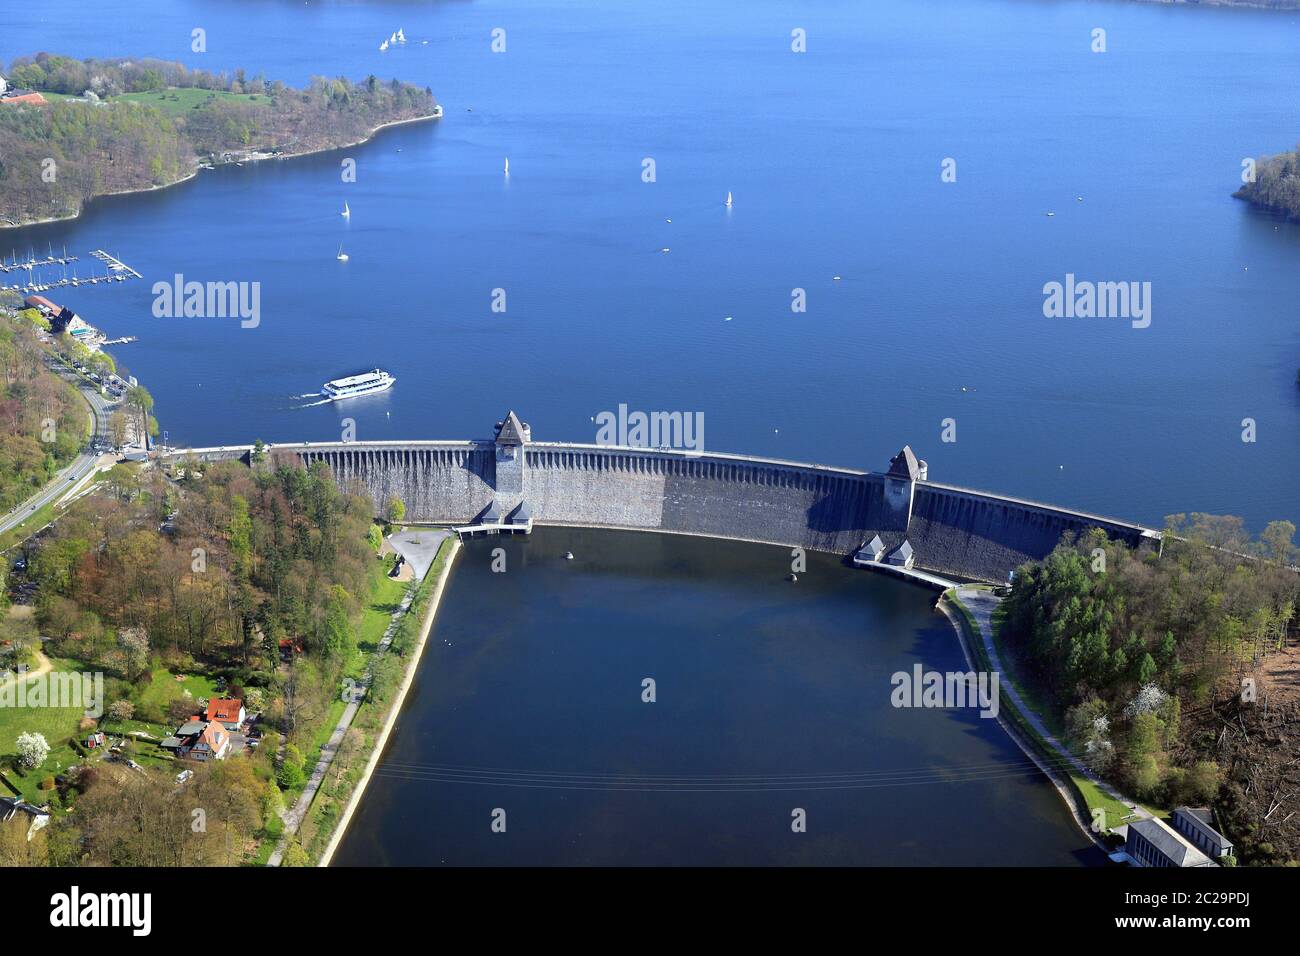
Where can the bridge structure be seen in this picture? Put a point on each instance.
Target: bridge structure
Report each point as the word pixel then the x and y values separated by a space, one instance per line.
pixel 510 481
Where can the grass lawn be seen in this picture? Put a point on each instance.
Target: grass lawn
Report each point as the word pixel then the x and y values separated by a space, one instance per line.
pixel 164 688
pixel 178 102
pixel 385 597
pixel 58 725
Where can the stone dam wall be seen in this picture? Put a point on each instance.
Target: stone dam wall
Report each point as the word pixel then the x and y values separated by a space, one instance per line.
pixel 954 531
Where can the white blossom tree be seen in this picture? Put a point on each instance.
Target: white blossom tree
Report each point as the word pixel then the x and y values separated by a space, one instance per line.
pixel 1148 700
pixel 32 750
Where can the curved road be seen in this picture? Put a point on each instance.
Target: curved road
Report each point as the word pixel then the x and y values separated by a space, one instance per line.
pixel 82 465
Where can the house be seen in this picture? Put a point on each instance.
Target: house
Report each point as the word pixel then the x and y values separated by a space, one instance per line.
pixel 213 743
pixel 902 556
pixel 228 711
pixel 1197 825
pixel 873 550
pixel 1155 843
pixel 9 94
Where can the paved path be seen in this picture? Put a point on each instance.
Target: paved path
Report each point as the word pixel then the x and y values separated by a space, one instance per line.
pixel 294 816
pixel 982 603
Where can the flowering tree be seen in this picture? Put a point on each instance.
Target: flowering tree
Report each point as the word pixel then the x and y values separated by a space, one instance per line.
pixel 32 750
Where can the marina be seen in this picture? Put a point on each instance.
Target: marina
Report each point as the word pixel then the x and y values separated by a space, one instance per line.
pixel 114 271
pixel 31 262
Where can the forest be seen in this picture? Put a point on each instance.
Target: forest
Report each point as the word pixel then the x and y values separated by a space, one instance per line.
pixel 1144 656
pixel 1276 185
pixel 43 422
pixel 122 125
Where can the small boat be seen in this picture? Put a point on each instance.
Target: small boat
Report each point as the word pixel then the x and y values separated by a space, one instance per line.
pixel 342 256
pixel 401 37
pixel 507 165
pixel 728 197
pixel 392 39
pixel 383 46
pixel 1050 215
pixel 346 213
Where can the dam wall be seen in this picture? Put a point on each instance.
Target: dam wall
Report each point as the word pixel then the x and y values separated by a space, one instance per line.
pixel 822 509
pixel 956 532
pixel 970 534
pixel 437 481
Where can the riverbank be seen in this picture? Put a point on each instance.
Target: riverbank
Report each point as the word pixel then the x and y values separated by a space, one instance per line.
pixel 971 644
pixel 452 546
pixel 250 156
pixel 1092 803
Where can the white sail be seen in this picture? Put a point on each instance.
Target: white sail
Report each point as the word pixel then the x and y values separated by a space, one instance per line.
pixel 507 165
pixel 728 197
pixel 346 211
pixel 383 46
pixel 393 38
pixel 401 37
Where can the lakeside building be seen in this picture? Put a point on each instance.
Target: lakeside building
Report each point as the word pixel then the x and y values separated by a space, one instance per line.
pixel 62 319
pixel 902 556
pixel 1197 825
pixel 870 552
pixel 1153 842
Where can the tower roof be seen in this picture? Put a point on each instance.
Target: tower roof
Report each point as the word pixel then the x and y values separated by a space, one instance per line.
pixel 511 431
pixel 905 465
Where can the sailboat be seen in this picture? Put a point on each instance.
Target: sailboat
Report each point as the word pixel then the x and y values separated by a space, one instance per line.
pixel 392 39
pixel 507 165
pixel 383 46
pixel 346 213
pixel 342 256
pixel 728 197
pixel 401 37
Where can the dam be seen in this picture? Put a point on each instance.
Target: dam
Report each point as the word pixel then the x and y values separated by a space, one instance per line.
pixel 510 478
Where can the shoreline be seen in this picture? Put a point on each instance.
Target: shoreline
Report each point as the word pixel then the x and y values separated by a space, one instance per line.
pixel 201 166
pixel 381 741
pixel 1063 787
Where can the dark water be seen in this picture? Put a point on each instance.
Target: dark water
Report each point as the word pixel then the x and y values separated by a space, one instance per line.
pixel 833 157
pixel 770 696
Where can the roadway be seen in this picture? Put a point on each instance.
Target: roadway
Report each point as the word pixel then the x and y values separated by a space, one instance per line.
pixel 85 462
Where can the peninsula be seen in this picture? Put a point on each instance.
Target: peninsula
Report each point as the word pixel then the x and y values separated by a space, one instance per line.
pixel 72 130
pixel 1276 185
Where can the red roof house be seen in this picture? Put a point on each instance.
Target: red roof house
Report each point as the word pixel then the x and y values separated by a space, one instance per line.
pixel 227 711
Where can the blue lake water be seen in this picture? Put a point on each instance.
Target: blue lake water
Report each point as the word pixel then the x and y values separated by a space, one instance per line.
pixel 834 160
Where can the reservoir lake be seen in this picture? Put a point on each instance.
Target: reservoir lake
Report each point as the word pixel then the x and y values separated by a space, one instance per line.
pixel 529 696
